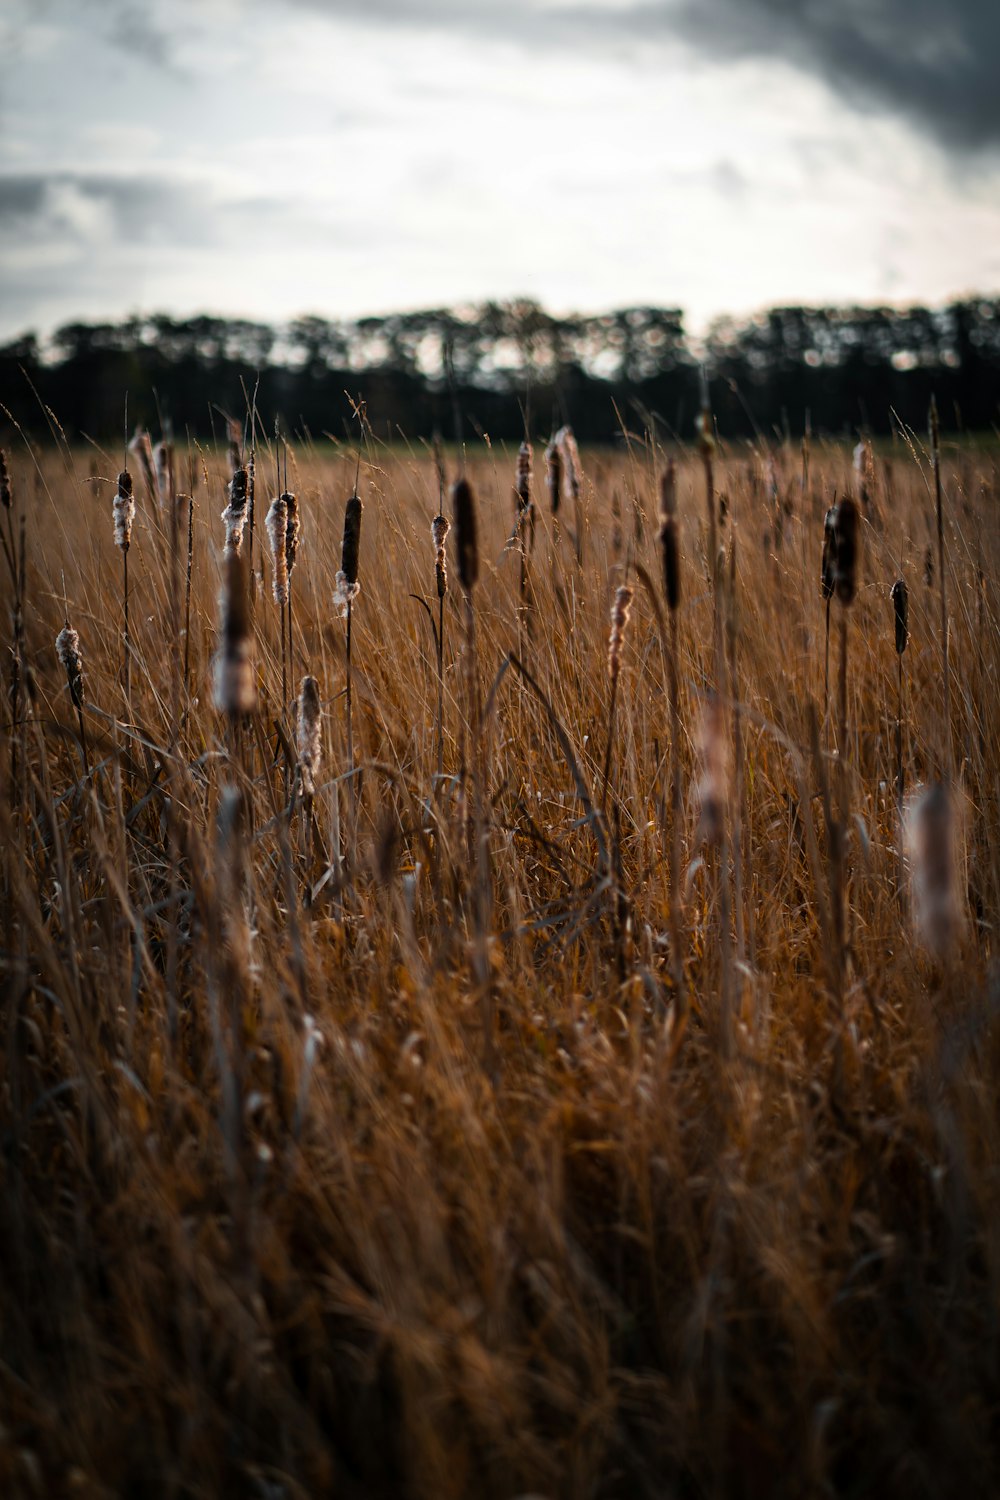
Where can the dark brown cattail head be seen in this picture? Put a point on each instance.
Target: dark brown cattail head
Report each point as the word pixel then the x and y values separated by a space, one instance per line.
pixel 235 440
pixel 522 478
pixel 901 611
pixel 668 536
pixel 68 651
pixel 352 539
pixel 826 575
pixel 123 510
pixel 845 562
pixel 235 689
pixel 466 544
pixel 554 475
pixel 4 482
pixel 440 527
pixel 293 530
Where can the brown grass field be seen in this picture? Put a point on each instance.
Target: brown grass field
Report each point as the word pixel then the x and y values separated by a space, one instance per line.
pixel 424 1147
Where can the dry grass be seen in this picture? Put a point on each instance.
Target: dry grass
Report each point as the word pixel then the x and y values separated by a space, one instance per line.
pixel 268 1226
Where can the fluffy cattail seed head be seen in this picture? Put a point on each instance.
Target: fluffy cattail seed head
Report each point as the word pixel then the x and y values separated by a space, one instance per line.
pixel 554 475
pixel 235 689
pixel 901 611
pixel 68 652
pixel 123 507
pixel 277 523
pixel 845 562
pixel 293 530
pixel 570 454
pixel 235 513
pixel 467 545
pixel 163 458
pixel 307 732
pixel 440 527
pixel 826 576
pixel 937 911
pixel 620 609
pixel 4 482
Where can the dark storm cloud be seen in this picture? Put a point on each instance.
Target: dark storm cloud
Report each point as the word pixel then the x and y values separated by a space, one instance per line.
pixel 934 61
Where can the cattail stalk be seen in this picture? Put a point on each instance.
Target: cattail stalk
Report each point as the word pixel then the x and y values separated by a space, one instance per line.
pixel 276 523
pixel 525 510
pixel 440 526
pixel 672 591
pixel 187 594
pixel 939 507
pixel 826 581
pixel 845 570
pixel 293 531
pixel 347 591
pixel 123 509
pixel 467 549
pixel 901 612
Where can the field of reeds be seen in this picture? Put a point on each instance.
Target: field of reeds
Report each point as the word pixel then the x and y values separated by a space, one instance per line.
pixel 551 1051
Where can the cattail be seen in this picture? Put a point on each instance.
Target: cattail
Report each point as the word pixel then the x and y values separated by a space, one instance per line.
pixel 566 443
pixel 936 907
pixel 235 689
pixel 4 482
pixel 464 506
pixel 293 529
pixel 307 734
pixel 347 585
pixel 713 786
pixel 620 610
pixel 163 460
pixel 826 577
pixel 235 440
pixel 235 513
pixel 276 522
pixel 845 561
pixel 901 609
pixel 522 479
pixel 143 450
pixel 440 527
pixel 124 511
pixel 68 651
pixel 554 475
pixel 668 536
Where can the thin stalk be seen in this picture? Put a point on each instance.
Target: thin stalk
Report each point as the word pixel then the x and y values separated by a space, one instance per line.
pixel 936 451
pixel 187 594
pixel 127 643
pixel 440 687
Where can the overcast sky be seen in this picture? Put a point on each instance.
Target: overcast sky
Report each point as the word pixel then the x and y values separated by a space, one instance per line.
pixel 270 157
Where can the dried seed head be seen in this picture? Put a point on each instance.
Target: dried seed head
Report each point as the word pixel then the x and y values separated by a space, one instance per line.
pixel 235 689
pixel 123 509
pixel 901 610
pixel 937 911
pixel 440 527
pixel 826 576
pixel 713 785
pixel 68 652
pixel 845 562
pixel 163 459
pixel 307 732
pixel 277 525
pixel 554 475
pixel 620 609
pixel 352 539
pixel 522 478
pixel 4 482
pixel 570 455
pixel 668 536
pixel 235 513
pixel 293 530
pixel 466 544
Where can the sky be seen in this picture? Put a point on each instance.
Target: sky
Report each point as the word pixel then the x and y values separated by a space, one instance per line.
pixel 268 158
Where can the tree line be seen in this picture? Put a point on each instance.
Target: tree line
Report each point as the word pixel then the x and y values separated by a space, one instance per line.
pixel 490 368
